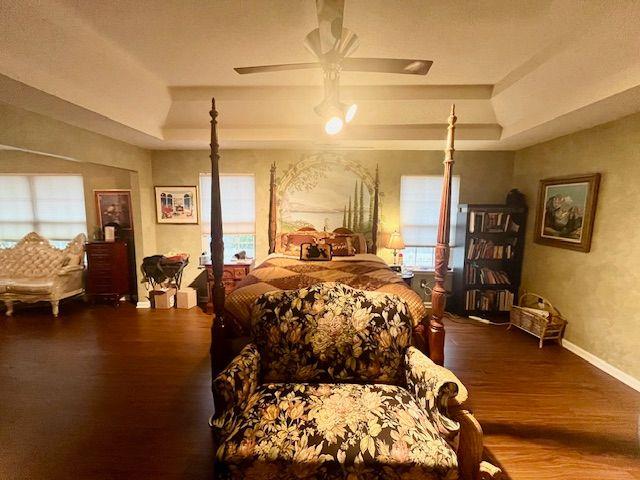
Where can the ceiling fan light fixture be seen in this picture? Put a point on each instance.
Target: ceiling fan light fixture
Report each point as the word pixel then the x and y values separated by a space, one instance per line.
pixel 333 125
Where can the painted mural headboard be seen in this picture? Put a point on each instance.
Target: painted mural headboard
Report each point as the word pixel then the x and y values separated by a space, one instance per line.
pixel 327 192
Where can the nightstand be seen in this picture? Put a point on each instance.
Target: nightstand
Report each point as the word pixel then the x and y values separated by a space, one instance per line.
pixel 232 274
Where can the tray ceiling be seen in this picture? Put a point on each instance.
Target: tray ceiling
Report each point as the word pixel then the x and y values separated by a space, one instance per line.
pixel 144 71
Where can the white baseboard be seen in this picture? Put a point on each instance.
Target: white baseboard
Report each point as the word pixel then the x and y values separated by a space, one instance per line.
pixel 146 304
pixel 602 365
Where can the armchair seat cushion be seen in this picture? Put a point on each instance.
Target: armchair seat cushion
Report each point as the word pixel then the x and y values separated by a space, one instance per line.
pixel 333 431
pixel 30 286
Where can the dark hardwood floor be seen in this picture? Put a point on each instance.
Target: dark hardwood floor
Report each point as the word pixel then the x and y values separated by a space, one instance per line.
pixel 124 394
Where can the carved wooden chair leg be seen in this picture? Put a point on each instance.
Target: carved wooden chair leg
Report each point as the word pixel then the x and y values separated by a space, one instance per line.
pixel 470 448
pixel 9 305
pixel 55 307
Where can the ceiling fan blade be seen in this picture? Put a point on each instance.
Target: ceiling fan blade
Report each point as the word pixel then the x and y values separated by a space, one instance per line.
pixel 276 68
pixel 387 65
pixel 330 14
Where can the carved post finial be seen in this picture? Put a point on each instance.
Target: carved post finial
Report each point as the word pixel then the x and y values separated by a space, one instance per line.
pixel 439 293
pixel 272 209
pixel 374 220
pixel 218 328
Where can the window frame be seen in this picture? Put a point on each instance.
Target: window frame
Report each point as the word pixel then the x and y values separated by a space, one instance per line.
pixel 206 237
pixel 36 223
pixel 453 222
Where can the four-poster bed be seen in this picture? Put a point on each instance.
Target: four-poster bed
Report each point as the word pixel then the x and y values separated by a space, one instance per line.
pixel 427 332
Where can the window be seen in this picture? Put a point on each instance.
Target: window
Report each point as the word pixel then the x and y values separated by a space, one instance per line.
pixel 238 197
pixel 419 212
pixel 51 205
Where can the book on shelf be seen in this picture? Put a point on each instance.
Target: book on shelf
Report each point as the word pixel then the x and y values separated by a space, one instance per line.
pixel 489 300
pixel 486 249
pixel 492 222
pixel 486 276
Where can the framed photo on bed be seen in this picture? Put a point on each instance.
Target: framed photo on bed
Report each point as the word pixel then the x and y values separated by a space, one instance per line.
pixel 566 211
pixel 114 206
pixel 177 204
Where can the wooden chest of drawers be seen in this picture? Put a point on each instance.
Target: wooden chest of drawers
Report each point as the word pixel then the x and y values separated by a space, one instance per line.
pixel 107 270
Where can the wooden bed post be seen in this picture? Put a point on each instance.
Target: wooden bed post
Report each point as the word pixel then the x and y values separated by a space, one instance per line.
pixel 218 327
pixel 439 293
pixel 272 209
pixel 374 222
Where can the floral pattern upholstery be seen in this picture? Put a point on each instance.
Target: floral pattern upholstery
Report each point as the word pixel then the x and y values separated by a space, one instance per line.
pixel 331 389
pixel 331 431
pixel 331 332
pixel 434 387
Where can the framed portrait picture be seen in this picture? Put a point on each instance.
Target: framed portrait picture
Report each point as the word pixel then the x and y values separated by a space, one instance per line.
pixel 114 206
pixel 177 204
pixel 566 210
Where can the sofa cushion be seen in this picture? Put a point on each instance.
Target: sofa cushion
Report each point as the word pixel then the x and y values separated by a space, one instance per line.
pixel 29 286
pixel 331 431
pixel 331 332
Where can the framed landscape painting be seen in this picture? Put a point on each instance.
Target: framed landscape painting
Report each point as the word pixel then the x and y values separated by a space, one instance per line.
pixel 114 206
pixel 177 204
pixel 566 210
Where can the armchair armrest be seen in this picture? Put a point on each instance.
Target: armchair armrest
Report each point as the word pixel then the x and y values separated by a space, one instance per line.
pixel 435 389
pixel 235 384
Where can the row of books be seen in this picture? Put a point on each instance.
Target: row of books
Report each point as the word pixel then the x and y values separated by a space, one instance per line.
pixel 491 222
pixel 485 249
pixel 485 276
pixel 488 300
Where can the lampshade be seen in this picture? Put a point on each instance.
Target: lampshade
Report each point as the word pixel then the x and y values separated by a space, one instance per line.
pixel 395 241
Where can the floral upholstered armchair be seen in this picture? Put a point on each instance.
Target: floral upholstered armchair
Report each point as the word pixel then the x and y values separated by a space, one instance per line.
pixel 34 270
pixel 331 388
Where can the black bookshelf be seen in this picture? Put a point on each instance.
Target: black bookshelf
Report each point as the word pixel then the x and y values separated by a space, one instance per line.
pixel 486 277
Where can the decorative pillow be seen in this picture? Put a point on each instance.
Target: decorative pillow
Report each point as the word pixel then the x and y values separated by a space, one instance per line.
pixel 331 332
pixel 342 245
pixel 290 242
pixel 315 251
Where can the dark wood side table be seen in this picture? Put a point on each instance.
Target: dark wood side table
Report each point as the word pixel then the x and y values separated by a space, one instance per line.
pixel 107 270
pixel 232 274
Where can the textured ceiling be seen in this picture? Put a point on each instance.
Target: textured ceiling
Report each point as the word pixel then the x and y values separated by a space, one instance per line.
pixel 144 71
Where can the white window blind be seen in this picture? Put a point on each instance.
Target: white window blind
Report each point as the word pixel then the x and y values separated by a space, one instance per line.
pixel 51 205
pixel 420 208
pixel 238 198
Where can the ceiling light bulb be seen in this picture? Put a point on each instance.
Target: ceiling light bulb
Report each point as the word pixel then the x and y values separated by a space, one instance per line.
pixel 351 112
pixel 333 125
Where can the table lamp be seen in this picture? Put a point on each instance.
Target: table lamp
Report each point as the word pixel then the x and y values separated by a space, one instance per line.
pixel 395 243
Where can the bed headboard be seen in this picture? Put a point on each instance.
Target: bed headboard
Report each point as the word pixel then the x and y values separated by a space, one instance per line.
pixel 356 216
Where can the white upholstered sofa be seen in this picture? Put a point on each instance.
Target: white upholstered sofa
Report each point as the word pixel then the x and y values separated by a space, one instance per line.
pixel 34 270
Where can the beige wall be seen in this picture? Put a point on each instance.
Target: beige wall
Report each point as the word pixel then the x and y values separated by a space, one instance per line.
pixel 598 292
pixel 29 131
pixel 485 177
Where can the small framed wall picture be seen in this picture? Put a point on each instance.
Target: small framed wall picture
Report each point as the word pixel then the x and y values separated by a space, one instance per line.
pixel 114 207
pixel 566 211
pixel 177 205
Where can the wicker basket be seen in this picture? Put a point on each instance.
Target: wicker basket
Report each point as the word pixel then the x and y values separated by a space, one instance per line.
pixel 536 315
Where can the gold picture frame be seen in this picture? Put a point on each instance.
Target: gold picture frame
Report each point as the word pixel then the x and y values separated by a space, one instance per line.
pixel 566 211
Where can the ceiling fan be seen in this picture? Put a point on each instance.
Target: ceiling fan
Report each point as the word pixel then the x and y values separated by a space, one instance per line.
pixel 333 45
